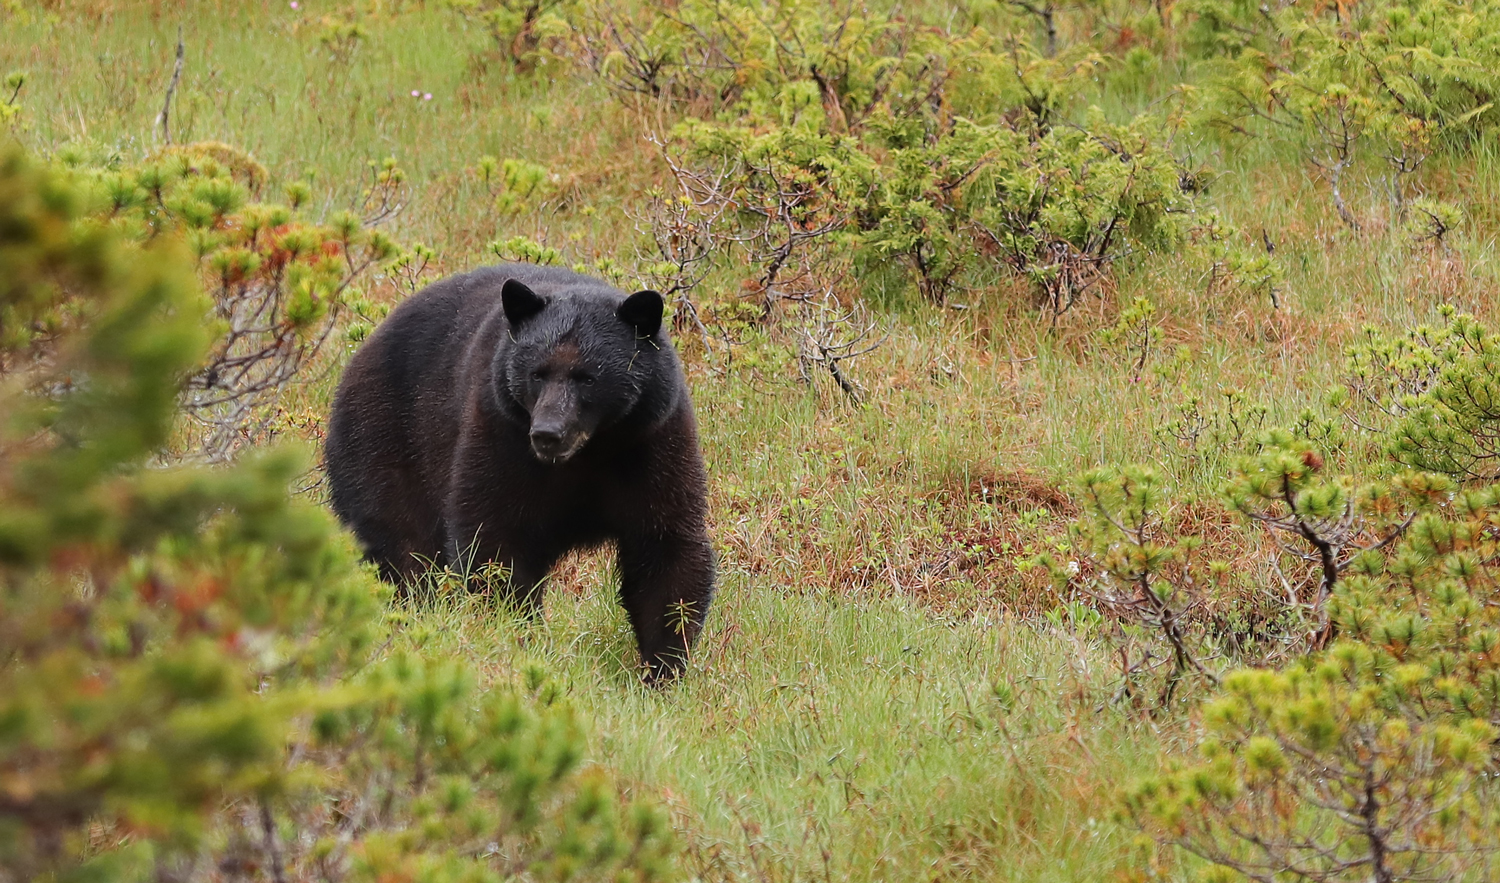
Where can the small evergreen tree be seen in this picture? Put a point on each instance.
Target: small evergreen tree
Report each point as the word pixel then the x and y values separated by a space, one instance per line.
pixel 1433 394
pixel 1153 583
pixel 1325 521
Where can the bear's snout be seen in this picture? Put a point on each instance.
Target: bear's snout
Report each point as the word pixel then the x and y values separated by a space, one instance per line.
pixel 554 444
pixel 557 430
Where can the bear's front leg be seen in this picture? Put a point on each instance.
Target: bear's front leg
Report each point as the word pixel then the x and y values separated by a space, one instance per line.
pixel 666 584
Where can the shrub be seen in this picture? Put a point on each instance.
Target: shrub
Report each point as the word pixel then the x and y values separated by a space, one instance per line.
pixel 1432 394
pixel 836 63
pixel 1401 79
pixel 1328 522
pixel 340 36
pixel 1060 210
pixel 1134 337
pixel 517 185
pixel 1232 264
pixel 1161 591
pixel 1372 760
pixel 519 28
pixel 1150 581
pixel 1056 209
pixel 279 282
pixel 784 197
pixel 948 152
pixel 188 679
pixel 1370 757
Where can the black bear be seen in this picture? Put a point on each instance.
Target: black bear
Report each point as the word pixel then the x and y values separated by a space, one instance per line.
pixel 513 414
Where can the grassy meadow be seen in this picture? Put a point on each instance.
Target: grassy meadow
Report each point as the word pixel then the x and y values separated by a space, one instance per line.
pixel 888 688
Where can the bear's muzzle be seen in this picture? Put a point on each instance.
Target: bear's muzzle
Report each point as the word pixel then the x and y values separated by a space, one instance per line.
pixel 554 445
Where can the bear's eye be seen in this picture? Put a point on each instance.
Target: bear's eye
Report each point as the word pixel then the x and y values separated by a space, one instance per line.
pixel 585 379
pixel 539 375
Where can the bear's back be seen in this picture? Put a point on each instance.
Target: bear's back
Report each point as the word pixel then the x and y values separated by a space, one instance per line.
pixel 395 414
pixel 410 367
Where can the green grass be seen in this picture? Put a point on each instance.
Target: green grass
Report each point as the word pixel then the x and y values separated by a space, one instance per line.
pixel 260 78
pixel 817 737
pixel 841 720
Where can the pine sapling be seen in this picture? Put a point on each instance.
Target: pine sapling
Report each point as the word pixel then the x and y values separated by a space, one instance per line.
pixel 1146 577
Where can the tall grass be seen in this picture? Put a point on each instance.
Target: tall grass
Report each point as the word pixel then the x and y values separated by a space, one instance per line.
pixel 259 76
pixel 817 737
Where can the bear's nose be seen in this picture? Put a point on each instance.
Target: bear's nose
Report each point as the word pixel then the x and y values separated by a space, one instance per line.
pixel 546 437
pixel 550 444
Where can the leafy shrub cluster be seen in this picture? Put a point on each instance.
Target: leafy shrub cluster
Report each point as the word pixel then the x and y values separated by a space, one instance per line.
pixel 1374 759
pixel 190 680
pixel 1398 79
pixel 1431 395
pixel 1158 585
pixel 278 281
pixel 956 149
pixel 816 133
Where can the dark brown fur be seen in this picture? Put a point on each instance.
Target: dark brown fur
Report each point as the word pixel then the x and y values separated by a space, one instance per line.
pixel 516 413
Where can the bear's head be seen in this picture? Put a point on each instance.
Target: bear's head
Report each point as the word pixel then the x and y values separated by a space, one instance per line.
pixel 580 361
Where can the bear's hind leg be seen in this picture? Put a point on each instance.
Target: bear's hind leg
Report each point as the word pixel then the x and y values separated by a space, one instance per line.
pixel 522 586
pixel 392 554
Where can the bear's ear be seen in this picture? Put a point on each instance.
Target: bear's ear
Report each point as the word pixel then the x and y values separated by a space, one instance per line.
pixel 642 310
pixel 520 302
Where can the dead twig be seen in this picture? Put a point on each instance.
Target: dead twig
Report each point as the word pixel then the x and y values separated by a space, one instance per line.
pixel 163 119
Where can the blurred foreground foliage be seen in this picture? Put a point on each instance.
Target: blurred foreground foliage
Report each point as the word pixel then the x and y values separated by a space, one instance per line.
pixel 191 685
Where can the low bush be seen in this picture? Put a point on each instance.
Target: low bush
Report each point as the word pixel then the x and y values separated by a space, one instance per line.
pixel 1430 395
pixel 949 154
pixel 1372 760
pixel 1370 755
pixel 1395 80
